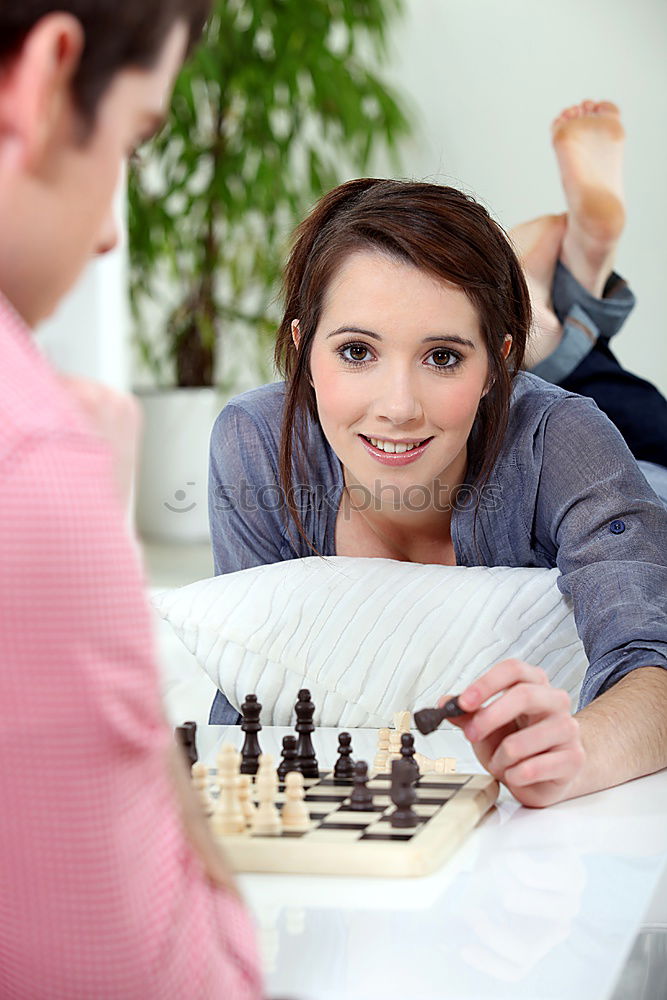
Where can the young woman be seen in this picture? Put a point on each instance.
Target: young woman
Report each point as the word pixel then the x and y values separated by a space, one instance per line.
pixel 405 429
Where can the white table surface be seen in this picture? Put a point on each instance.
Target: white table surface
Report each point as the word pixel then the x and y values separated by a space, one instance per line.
pixel 535 905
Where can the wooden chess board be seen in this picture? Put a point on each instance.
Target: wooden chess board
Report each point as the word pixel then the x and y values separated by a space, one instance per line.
pixel 345 842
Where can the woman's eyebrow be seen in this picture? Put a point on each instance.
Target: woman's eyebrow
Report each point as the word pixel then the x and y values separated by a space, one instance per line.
pixel 453 337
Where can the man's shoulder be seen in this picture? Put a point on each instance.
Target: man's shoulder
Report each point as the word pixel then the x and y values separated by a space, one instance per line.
pixel 33 404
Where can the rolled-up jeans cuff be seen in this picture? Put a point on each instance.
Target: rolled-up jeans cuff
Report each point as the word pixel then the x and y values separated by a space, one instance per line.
pixel 607 314
pixel 223 712
pixel 579 336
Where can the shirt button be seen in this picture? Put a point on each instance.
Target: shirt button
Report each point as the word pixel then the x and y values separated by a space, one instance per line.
pixel 617 527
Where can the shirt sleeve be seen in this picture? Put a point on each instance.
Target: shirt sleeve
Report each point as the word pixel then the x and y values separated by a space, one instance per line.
pixel 246 502
pixel 102 894
pixel 606 530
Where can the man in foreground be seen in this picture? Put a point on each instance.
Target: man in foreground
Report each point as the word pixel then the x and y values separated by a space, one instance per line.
pixel 111 887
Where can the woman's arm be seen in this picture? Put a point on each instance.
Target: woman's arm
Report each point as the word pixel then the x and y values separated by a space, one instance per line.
pixel 528 739
pixel 594 514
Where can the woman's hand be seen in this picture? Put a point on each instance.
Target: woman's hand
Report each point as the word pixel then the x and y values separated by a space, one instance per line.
pixel 527 737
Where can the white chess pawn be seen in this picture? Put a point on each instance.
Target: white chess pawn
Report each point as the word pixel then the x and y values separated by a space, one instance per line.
pixel 228 817
pixel 380 764
pixel 200 781
pixel 266 821
pixel 294 813
pixel 248 807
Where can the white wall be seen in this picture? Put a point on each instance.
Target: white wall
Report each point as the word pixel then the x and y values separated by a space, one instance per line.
pixel 486 77
pixel 89 335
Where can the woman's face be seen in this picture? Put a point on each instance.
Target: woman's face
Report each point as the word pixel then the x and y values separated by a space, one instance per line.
pixel 398 366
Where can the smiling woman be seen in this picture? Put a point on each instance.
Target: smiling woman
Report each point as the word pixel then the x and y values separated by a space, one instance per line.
pixel 405 429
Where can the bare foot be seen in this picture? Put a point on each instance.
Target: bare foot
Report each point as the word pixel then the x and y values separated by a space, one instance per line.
pixel 588 139
pixel 538 245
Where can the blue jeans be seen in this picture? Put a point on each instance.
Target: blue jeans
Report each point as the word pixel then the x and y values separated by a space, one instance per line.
pixel 583 363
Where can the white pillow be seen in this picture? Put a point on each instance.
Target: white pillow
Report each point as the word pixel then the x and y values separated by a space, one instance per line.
pixel 370 637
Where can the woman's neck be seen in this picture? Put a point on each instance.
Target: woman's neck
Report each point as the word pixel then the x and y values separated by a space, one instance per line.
pixel 425 518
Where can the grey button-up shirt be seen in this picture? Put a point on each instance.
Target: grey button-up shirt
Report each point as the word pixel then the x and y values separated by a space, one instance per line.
pixel 566 492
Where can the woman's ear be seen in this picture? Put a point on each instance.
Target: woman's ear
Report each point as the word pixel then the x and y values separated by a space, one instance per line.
pixel 507 346
pixel 296 333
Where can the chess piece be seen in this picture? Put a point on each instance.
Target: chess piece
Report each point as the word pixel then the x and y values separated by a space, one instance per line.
pixel 248 808
pixel 251 726
pixel 186 737
pixel 362 797
pixel 402 721
pixel 289 757
pixel 381 762
pixel 442 765
pixel 200 781
pixel 394 744
pixel 306 759
pixel 228 817
pixel 344 767
pixel 408 751
pixel 428 719
pixel 403 795
pixel 294 814
pixel 266 821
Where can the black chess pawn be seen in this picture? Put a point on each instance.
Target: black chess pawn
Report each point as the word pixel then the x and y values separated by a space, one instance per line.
pixel 306 758
pixel 344 767
pixel 403 794
pixel 186 736
pixel 362 797
pixel 251 726
pixel 408 751
pixel 289 757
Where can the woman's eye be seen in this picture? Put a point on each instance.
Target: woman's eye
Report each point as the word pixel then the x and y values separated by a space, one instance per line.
pixel 444 359
pixel 355 352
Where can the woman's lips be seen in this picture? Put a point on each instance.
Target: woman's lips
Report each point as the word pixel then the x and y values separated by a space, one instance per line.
pixel 389 458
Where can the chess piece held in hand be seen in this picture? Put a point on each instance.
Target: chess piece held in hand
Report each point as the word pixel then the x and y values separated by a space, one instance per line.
pixel 427 720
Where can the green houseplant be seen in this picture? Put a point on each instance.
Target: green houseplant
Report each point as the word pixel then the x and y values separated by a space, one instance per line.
pixel 279 103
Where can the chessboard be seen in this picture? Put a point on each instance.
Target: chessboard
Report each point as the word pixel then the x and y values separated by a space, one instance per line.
pixel 342 841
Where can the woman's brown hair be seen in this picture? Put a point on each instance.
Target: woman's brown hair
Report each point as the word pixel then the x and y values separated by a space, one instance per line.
pixel 438 230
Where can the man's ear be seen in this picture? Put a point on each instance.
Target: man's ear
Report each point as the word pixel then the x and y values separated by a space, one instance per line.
pixel 35 89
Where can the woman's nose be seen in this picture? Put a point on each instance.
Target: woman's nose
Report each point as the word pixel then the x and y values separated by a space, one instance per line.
pixel 398 399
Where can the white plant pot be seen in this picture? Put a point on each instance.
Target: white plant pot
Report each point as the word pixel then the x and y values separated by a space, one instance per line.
pixel 172 485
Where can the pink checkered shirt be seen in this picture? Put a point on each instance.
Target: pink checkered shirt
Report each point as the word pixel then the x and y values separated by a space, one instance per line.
pixel 101 897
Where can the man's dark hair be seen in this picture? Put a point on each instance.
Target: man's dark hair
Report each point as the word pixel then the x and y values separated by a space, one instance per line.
pixel 119 34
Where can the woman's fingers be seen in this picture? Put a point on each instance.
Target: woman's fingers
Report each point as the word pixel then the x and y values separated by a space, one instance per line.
pixel 518 704
pixel 558 731
pixel 559 765
pixel 502 675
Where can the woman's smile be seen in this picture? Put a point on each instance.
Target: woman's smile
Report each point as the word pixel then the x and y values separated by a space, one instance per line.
pixel 394 453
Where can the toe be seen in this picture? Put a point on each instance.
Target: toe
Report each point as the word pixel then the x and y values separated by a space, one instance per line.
pixel 607 108
pixel 587 107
